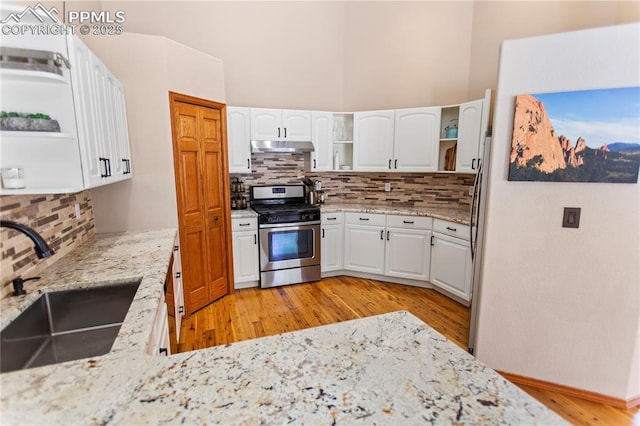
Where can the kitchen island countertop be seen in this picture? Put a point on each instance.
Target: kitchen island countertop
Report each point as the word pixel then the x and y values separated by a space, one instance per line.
pixel 386 369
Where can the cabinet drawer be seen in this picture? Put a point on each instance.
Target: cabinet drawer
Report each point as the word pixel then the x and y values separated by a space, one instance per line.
pixel 332 218
pixel 244 224
pixel 450 228
pixel 409 222
pixel 371 219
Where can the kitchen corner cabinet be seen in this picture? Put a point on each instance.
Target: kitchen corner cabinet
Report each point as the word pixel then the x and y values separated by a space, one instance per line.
pixel 245 252
pixel 364 242
pixel 322 138
pixel 332 242
pixel 462 153
pixel 451 258
pixel 276 124
pixel 239 139
pixel 101 118
pixel 373 140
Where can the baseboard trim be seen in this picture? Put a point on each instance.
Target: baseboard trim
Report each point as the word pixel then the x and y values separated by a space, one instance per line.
pixel 567 390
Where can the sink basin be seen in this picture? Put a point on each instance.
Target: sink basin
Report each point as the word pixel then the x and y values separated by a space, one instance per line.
pixel 66 325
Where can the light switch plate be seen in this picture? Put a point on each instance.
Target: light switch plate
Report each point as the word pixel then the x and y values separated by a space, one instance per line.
pixel 571 217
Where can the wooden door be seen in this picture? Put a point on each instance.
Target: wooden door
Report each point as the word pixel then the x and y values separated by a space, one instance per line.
pixel 202 189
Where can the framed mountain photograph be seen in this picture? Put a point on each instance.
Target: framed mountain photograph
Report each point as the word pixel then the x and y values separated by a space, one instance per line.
pixel 581 136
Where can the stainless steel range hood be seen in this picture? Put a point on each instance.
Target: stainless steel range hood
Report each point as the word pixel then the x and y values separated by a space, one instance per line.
pixel 290 147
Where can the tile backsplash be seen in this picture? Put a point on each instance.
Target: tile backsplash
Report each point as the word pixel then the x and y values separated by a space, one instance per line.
pixel 407 189
pixel 53 217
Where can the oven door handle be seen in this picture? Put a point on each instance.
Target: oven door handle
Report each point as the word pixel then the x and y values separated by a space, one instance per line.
pixel 288 225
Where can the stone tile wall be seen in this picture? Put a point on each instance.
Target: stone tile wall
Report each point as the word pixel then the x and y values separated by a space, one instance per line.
pixel 53 217
pixel 407 189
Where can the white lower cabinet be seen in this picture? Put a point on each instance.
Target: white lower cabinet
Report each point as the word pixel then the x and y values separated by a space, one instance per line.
pixel 408 249
pixel 451 259
pixel 178 291
pixel 364 242
pixel 332 244
pixel 159 340
pixel 246 262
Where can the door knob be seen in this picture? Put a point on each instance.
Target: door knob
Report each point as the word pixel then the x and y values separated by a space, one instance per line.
pixel 216 217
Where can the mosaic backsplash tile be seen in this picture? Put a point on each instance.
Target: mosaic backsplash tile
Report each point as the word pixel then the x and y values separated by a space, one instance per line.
pixel 52 216
pixel 407 189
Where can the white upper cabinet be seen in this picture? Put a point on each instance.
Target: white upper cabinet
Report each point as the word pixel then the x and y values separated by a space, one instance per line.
pixel 101 118
pixel 416 139
pixel 469 136
pixel 276 124
pixel 373 140
pixel 238 138
pixel 322 138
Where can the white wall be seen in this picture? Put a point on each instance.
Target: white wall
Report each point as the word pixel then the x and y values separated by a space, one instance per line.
pixel 559 304
pixel 149 67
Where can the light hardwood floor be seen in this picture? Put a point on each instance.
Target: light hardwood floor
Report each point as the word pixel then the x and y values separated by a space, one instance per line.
pixel 252 313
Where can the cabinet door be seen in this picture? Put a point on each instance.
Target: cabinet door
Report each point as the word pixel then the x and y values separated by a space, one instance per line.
pixel 322 138
pixel 364 248
pixel 85 75
pixel 451 265
pixel 266 124
pixel 123 148
pixel 296 125
pixel 332 248
pixel 373 140
pixel 416 139
pixel 239 139
pixel 245 256
pixel 469 136
pixel 408 253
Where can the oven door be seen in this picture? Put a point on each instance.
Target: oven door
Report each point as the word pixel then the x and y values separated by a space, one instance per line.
pixel 289 245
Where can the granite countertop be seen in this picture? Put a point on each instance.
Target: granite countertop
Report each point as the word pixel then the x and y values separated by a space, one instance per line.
pixel 456 215
pixel 386 369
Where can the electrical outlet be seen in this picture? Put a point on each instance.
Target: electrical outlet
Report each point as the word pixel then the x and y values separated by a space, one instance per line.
pixel 387 187
pixel 471 190
pixel 77 210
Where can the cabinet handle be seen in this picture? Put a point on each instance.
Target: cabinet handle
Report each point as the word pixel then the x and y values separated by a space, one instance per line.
pixel 332 218
pixel 255 239
pixel 389 164
pixel 285 132
pixel 314 163
pixel 244 224
pixel 408 222
pixel 322 232
pixel 181 310
pixel 108 166
pixel 395 163
pixel 452 229
pixel 248 163
pixel 473 164
pixel 364 218
pixel 178 274
pixel 387 235
pixel 175 248
pixel 127 166
pixel 432 241
pixel 103 161
pixel 164 351
pixel 382 235
pixel 278 131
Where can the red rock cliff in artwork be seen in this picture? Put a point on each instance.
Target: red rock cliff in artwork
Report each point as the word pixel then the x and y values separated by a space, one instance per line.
pixel 533 135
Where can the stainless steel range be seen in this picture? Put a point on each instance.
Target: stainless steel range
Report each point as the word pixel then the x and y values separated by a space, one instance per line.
pixel 289 235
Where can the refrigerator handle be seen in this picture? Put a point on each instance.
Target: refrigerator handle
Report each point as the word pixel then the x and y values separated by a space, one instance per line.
pixel 474 198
